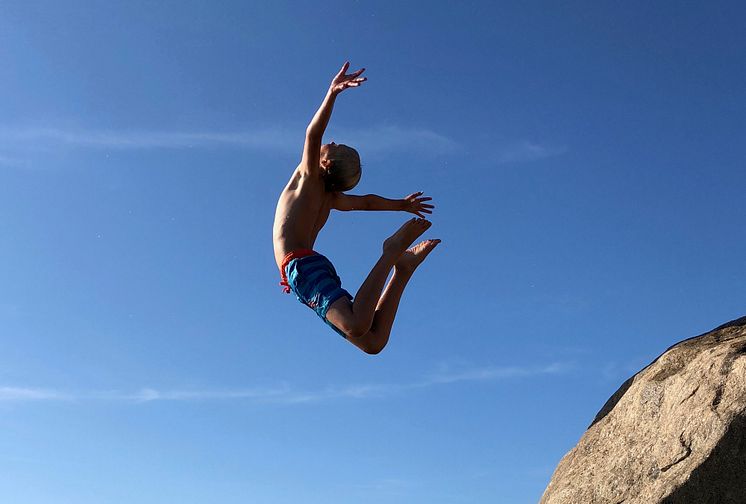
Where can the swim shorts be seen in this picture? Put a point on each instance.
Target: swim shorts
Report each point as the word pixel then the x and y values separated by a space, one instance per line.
pixel 314 281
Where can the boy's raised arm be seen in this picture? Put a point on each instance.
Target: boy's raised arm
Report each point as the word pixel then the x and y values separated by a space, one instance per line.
pixel 315 130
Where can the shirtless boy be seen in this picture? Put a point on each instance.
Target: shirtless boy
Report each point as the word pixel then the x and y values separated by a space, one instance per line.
pixel 316 187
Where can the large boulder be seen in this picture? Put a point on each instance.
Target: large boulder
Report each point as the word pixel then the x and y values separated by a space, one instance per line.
pixel 674 433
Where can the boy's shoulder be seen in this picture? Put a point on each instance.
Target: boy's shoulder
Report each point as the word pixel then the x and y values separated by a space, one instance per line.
pixel 304 178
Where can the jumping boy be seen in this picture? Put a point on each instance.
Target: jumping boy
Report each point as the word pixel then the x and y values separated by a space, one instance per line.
pixel 316 187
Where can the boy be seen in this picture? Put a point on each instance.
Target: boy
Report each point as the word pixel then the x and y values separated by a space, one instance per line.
pixel 316 187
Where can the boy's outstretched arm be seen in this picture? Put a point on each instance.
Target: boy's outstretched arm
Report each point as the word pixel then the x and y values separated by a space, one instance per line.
pixel 315 130
pixel 414 203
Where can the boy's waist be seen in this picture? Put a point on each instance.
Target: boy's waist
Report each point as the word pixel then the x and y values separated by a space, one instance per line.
pixel 296 254
pixel 289 257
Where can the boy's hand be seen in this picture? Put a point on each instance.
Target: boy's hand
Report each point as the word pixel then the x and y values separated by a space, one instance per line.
pixel 415 203
pixel 342 81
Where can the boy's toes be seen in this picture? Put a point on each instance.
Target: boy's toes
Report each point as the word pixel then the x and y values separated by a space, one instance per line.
pixel 414 256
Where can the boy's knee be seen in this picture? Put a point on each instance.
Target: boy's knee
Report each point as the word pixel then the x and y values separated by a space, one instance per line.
pixel 368 343
pixel 356 330
pixel 372 349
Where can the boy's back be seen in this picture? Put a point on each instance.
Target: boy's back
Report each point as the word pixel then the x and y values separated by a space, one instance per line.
pixel 302 211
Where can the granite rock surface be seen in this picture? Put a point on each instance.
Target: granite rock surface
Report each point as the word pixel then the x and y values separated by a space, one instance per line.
pixel 674 433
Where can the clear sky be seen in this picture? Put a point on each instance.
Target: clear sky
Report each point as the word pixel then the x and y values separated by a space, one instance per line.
pixel 586 160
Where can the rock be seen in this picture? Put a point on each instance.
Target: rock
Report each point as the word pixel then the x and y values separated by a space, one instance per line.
pixel 674 433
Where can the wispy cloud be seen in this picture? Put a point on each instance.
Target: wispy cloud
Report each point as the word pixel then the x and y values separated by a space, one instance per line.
pixel 382 390
pixel 284 394
pixel 498 373
pixel 11 161
pixel 31 394
pixel 267 138
pixel 526 151
pixel 151 394
pixel 396 138
pixel 18 144
pixel 272 138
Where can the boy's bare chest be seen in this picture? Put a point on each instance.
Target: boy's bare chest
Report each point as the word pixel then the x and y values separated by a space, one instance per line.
pixel 312 202
pixel 302 211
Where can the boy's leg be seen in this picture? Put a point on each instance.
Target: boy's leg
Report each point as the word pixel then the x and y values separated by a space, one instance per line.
pixel 356 318
pixel 375 340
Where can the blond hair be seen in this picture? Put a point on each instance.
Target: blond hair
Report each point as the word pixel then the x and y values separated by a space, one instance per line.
pixel 344 171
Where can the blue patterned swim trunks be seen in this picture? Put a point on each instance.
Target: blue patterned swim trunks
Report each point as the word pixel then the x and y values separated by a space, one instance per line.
pixel 315 282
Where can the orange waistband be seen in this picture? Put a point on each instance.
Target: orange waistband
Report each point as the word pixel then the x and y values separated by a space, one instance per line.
pixel 295 254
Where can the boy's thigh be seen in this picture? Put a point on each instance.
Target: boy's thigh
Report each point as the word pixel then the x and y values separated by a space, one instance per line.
pixel 340 314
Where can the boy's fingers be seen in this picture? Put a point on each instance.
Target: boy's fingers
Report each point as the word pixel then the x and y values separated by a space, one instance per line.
pixel 344 69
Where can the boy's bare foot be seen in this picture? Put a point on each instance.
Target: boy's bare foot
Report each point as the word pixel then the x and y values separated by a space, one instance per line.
pixel 412 258
pixel 403 238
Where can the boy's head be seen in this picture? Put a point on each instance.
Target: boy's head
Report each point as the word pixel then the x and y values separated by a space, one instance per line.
pixel 341 167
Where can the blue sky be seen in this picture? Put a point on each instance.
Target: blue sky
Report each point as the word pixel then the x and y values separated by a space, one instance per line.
pixel 586 160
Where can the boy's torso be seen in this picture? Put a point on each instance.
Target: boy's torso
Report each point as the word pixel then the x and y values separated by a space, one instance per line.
pixel 302 211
